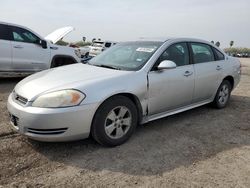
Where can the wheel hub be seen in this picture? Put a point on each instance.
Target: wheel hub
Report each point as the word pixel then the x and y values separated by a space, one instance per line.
pixel 118 122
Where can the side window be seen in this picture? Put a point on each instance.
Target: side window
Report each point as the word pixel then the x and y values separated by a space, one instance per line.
pixel 4 32
pixel 219 56
pixel 177 53
pixel 202 53
pixel 107 45
pixel 23 35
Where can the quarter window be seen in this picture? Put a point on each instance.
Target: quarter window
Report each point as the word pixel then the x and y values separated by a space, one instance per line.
pixel 4 32
pixel 219 56
pixel 202 53
pixel 177 53
pixel 23 35
pixel 107 45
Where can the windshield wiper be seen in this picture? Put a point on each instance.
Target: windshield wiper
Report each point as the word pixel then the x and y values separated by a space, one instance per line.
pixel 109 67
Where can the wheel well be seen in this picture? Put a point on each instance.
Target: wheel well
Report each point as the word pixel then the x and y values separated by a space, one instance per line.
pixel 60 60
pixel 135 100
pixel 230 79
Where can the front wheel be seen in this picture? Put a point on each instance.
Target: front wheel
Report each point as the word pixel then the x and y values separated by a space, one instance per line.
pixel 223 95
pixel 114 121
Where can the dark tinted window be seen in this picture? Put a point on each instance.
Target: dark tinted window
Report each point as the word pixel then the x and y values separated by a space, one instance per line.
pixel 177 53
pixel 219 56
pixel 107 45
pixel 23 35
pixel 4 32
pixel 202 53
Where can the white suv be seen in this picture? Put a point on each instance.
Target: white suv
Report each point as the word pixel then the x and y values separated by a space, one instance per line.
pixel 99 46
pixel 24 51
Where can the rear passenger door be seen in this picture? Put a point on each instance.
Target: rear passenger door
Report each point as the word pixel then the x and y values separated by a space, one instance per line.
pixel 5 48
pixel 207 71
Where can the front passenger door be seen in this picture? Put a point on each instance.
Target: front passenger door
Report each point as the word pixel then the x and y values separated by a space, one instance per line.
pixel 27 54
pixel 171 88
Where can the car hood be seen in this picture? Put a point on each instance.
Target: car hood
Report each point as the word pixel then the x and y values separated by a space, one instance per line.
pixel 58 34
pixel 65 77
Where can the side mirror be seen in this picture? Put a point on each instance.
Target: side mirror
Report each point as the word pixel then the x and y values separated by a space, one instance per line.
pixel 166 64
pixel 43 43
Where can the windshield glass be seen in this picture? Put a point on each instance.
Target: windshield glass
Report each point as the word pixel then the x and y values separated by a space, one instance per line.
pixel 126 56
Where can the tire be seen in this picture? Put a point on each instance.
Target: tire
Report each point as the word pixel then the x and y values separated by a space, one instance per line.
pixel 223 95
pixel 87 55
pixel 114 121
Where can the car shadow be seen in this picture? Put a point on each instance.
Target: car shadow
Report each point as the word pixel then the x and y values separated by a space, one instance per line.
pixel 162 145
pixel 8 84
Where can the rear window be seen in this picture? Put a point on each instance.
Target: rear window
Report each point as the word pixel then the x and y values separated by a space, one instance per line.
pixel 107 45
pixel 4 32
pixel 218 55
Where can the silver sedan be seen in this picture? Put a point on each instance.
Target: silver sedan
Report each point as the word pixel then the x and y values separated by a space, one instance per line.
pixel 131 83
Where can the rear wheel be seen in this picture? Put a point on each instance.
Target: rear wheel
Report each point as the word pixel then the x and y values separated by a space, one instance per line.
pixel 114 121
pixel 223 95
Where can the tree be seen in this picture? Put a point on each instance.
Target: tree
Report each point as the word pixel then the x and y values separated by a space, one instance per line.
pixel 81 43
pixel 62 43
pixel 231 43
pixel 217 44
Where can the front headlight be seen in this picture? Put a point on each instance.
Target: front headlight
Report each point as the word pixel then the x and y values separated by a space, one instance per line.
pixel 62 98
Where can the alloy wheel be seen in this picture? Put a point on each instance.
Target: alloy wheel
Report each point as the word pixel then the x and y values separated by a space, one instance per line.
pixel 223 94
pixel 118 122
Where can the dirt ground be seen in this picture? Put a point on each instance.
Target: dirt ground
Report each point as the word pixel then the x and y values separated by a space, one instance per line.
pixel 203 147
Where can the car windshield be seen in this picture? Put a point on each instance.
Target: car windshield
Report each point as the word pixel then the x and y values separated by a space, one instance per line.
pixel 129 56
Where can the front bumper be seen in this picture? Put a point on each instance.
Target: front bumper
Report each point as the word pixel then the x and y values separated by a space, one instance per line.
pixel 52 124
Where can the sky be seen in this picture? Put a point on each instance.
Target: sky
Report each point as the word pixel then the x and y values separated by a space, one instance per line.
pixel 121 20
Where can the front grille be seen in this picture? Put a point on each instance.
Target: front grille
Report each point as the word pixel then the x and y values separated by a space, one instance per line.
pixel 47 131
pixel 20 99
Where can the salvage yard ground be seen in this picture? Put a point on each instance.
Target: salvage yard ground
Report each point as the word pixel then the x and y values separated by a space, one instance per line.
pixel 203 147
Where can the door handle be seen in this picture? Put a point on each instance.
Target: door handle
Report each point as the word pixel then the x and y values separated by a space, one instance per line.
pixel 218 68
pixel 18 46
pixel 188 73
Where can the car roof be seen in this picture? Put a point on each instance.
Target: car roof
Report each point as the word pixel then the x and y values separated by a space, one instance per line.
pixel 12 24
pixel 176 40
pixel 156 39
pixel 21 26
pixel 164 39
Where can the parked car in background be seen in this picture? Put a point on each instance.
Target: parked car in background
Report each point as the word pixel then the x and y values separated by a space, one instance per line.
pixel 245 55
pixel 98 47
pixel 239 55
pixel 24 51
pixel 130 83
pixel 84 51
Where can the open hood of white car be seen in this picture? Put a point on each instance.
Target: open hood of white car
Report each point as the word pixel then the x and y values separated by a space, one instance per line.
pixel 59 34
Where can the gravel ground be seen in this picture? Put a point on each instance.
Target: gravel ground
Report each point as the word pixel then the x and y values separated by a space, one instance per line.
pixel 203 147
